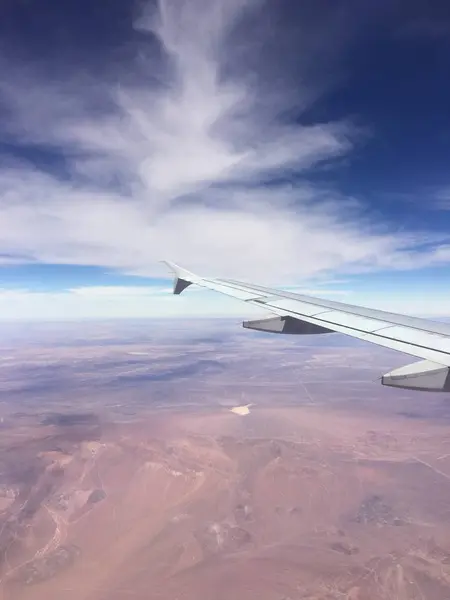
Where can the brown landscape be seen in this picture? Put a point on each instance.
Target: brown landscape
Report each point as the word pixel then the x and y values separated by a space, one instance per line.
pixel 280 503
pixel 308 496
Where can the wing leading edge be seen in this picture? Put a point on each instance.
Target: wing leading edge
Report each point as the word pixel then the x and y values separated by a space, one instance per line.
pixel 307 315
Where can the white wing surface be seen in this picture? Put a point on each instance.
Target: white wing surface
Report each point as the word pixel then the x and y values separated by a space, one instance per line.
pixel 305 315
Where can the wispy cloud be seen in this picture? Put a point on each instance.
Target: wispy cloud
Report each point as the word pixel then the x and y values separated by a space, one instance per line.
pixel 427 198
pixel 440 199
pixel 181 161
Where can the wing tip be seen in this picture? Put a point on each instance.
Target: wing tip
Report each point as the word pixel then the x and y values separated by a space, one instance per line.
pixel 183 278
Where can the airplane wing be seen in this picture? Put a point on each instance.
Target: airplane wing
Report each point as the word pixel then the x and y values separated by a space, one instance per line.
pixel 306 315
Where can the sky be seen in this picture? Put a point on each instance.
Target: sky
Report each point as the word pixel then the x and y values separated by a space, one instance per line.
pixel 300 144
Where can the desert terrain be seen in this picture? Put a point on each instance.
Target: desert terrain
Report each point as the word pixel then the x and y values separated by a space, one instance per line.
pixel 127 470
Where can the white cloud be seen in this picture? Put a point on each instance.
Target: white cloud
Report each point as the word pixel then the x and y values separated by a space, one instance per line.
pixel 112 302
pixel 109 301
pixel 177 169
pixel 119 291
pixel 14 294
pixel 316 292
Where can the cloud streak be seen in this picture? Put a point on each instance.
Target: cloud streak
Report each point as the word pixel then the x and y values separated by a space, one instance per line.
pixel 116 302
pixel 440 199
pixel 194 158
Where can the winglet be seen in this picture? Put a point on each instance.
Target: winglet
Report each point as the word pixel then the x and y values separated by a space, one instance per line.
pixel 183 278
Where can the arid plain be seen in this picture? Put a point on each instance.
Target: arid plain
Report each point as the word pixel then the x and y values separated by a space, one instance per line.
pixel 124 472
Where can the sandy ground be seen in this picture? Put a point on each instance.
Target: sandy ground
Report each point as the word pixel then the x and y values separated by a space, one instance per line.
pixel 300 502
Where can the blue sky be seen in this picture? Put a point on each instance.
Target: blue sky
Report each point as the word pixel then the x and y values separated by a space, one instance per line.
pixel 294 144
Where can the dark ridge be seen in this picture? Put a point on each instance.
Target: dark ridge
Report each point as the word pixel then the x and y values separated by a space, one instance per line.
pixel 202 367
pixel 96 496
pixel 65 420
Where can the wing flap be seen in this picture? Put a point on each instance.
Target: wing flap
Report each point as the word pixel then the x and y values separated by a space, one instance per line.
pixel 353 321
pixel 292 305
pixel 416 336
